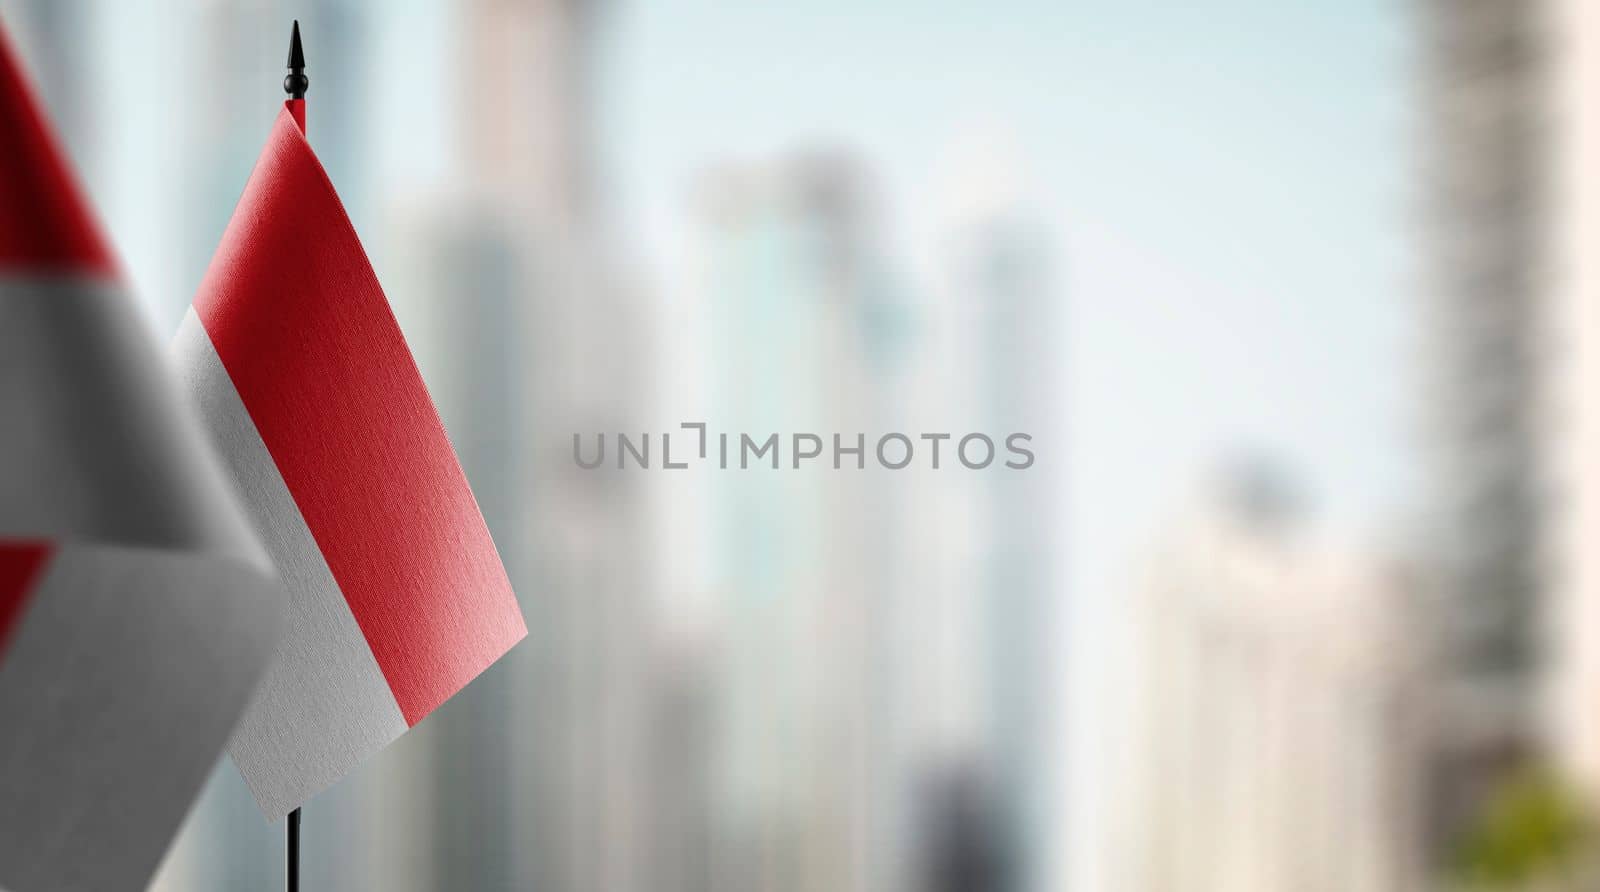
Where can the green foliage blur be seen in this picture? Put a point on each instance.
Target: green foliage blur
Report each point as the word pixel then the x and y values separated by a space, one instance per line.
pixel 1533 834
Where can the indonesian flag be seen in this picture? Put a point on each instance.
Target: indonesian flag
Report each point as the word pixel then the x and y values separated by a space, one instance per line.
pixel 397 596
pixel 137 609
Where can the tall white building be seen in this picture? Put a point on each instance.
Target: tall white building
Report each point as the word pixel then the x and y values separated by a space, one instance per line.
pixel 980 661
pixel 1572 424
pixel 1006 287
pixel 1276 729
pixel 1486 275
pixel 1484 272
pixel 794 293
pixel 574 339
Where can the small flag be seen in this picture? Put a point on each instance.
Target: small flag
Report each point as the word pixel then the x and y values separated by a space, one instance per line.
pixel 397 595
pixel 137 609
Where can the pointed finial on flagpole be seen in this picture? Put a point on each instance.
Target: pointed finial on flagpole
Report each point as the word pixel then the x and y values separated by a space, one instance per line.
pixel 296 82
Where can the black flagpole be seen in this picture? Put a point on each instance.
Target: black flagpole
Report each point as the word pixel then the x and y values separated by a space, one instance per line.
pixel 294 851
pixel 295 84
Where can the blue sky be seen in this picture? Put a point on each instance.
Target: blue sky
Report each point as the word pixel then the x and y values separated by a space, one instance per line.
pixel 1227 186
pixel 1226 181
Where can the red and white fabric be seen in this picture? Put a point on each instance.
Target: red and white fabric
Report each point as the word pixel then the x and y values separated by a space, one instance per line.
pixel 300 373
pixel 137 609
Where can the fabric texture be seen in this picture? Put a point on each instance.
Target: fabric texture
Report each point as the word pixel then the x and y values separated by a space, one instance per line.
pixel 292 320
pixel 137 610
pixel 325 677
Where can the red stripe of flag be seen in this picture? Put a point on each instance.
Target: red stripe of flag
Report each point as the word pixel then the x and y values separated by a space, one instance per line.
pixel 20 565
pixel 303 329
pixel 44 223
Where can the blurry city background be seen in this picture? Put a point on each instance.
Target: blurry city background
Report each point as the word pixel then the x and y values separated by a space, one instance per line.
pixel 1295 299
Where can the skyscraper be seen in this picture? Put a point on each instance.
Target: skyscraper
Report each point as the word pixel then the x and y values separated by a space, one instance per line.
pixel 1485 276
pixel 796 299
pixel 1572 421
pixel 577 333
pixel 1277 734
pixel 1005 284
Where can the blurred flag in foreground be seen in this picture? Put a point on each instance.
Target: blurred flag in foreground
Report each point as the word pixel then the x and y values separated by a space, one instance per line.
pixel 397 596
pixel 137 610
